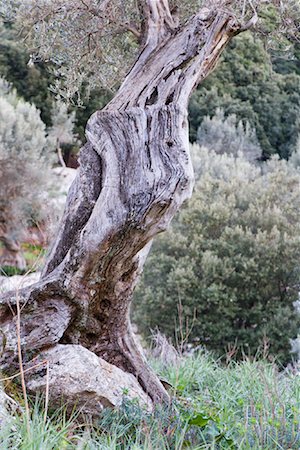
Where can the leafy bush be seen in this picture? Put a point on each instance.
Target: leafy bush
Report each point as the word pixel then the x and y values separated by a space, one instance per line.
pixel 229 266
pixel 24 155
pixel 295 156
pixel 245 84
pixel 228 135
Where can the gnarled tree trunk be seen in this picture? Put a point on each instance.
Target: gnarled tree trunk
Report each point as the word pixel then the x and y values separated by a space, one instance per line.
pixel 135 172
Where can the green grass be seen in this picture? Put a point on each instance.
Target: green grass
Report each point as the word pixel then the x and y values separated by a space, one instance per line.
pixel 9 271
pixel 252 403
pixel 33 254
pixel 247 405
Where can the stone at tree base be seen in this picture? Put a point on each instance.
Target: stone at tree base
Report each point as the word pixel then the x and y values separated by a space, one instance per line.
pixel 78 377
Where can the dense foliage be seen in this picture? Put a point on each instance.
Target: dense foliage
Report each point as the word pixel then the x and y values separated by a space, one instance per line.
pixel 228 135
pixel 33 81
pixel 95 42
pixel 228 270
pixel 24 161
pixel 30 195
pixel 246 85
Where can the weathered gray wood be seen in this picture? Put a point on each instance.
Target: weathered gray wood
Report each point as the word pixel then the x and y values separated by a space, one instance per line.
pixel 135 172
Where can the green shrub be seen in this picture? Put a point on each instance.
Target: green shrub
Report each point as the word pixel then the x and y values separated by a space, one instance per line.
pixel 228 135
pixel 245 84
pixel 24 171
pixel 229 266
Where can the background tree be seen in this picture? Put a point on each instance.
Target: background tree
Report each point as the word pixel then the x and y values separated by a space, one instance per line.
pixel 30 81
pixel 226 135
pixel 135 173
pixel 245 84
pixel 24 149
pixel 34 80
pixel 230 263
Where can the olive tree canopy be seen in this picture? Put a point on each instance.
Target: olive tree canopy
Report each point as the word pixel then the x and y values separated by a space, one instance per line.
pixel 94 42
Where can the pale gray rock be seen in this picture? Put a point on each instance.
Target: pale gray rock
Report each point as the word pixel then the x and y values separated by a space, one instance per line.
pixel 55 198
pixel 78 377
pixel 17 282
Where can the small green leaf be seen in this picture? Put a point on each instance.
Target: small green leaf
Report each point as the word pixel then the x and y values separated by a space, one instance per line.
pixel 229 441
pixel 200 420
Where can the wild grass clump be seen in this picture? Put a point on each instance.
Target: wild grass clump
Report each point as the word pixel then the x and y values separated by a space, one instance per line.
pixel 246 405
pixel 252 403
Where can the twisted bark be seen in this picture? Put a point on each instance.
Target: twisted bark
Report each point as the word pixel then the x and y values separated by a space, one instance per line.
pixel 135 172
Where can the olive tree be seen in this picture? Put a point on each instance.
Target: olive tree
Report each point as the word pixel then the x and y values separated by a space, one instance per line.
pixel 135 172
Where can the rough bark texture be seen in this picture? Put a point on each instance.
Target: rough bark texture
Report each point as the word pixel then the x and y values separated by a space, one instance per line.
pixel 135 172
